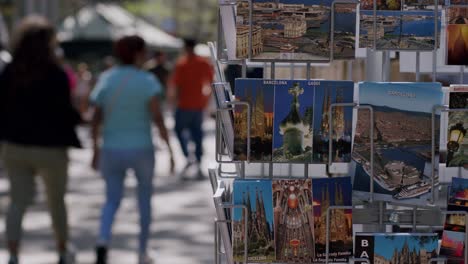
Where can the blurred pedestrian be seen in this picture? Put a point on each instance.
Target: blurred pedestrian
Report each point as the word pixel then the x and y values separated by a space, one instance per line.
pixel 83 87
pixel 37 126
pixel 159 68
pixel 125 100
pixel 72 79
pixel 190 91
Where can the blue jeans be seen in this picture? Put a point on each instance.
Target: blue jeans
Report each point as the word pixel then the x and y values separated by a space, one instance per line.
pixel 190 121
pixel 113 166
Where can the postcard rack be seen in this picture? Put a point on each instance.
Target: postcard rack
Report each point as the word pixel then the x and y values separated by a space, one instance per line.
pixel 372 213
pixel 367 213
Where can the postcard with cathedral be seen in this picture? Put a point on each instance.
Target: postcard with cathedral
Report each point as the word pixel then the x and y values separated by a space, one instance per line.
pixel 259 94
pixel 333 192
pixel 402 141
pixel 294 221
pixel 326 94
pixel 292 129
pixel 396 248
pixel 257 196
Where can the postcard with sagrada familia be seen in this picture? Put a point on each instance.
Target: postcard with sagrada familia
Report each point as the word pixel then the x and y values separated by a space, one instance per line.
pixel 292 130
pixel 329 192
pixel 257 196
pixel 294 220
pixel 326 94
pixel 396 248
pixel 259 94
pixel 402 141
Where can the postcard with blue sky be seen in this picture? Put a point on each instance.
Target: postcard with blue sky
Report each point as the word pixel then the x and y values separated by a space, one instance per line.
pixel 399 248
pixel 326 94
pixel 402 140
pixel 257 196
pixel 292 130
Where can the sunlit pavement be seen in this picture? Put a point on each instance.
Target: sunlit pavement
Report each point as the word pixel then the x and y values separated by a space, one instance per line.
pixel 182 229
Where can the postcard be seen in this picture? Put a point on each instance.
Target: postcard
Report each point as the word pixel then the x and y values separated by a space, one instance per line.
pixel 223 94
pixel 294 221
pixel 326 94
pixel 455 222
pixel 458 195
pixel 242 21
pixel 457 138
pixel 329 192
pixel 453 247
pixel 219 199
pixel 344 39
pixel 292 130
pixel 402 140
pixel 418 5
pixel 398 30
pixel 257 196
pixel 457 15
pixel 291 30
pixel 259 94
pixel 396 248
pixel 457 44
pixel 394 5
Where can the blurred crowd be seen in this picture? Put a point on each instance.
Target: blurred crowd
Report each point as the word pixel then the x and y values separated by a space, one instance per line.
pixel 45 97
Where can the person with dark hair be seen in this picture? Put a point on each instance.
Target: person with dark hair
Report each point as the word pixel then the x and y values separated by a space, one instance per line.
pixel 190 91
pixel 37 122
pixel 125 101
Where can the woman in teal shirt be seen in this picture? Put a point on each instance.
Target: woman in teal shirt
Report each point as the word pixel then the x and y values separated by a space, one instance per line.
pixel 125 100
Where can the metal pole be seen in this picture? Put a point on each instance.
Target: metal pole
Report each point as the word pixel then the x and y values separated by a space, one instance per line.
pixel 308 77
pixel 436 40
pixel 418 65
pixel 386 66
pixel 273 76
pixel 462 74
pixel 381 215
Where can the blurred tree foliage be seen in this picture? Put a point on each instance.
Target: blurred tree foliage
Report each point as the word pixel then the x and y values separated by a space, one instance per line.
pixel 194 18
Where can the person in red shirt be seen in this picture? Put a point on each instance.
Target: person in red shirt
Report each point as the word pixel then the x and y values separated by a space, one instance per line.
pixel 189 90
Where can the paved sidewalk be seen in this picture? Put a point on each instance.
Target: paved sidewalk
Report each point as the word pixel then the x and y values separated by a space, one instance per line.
pixel 182 230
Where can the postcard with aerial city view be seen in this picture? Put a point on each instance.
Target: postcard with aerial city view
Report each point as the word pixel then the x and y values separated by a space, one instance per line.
pixel 294 30
pixel 402 140
pixel 396 248
pixel 344 40
pixel 294 220
pixel 329 192
pixel 398 30
pixel 257 196
pixel 453 247
pixel 243 30
pixel 326 94
pixel 292 130
pixel 259 94
pixel 453 153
